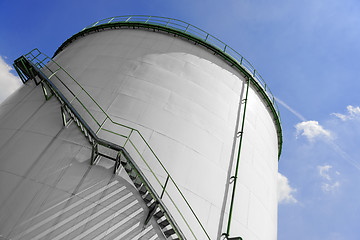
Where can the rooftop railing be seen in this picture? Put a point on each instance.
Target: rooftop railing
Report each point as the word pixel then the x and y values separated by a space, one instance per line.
pixel 203 36
pixel 196 32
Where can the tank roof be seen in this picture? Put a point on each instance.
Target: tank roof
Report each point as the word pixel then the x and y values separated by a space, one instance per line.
pixel 190 32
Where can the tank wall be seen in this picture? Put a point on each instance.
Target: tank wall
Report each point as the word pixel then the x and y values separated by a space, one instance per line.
pixel 184 100
pixel 184 104
pixel 48 189
pixel 255 214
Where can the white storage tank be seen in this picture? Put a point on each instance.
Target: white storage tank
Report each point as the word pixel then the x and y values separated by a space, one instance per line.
pixel 190 112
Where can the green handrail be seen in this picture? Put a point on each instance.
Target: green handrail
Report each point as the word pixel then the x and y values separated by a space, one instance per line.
pixel 46 62
pixel 194 33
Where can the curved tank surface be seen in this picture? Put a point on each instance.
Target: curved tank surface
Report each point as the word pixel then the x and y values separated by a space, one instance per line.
pixel 165 111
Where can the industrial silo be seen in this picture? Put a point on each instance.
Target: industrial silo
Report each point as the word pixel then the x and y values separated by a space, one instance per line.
pixel 150 128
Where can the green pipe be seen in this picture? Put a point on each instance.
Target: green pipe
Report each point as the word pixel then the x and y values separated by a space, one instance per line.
pixel 238 160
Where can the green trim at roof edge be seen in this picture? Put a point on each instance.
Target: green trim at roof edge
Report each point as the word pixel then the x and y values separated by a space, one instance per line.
pixel 227 57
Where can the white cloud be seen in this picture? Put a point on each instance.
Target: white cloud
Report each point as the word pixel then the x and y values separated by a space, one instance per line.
pixel 352 113
pixel 8 82
pixel 312 130
pixel 324 171
pixel 328 185
pixel 285 191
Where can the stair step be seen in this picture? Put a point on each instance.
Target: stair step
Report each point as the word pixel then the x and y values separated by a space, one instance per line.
pixel 137 185
pixel 148 198
pixel 143 190
pixel 159 214
pixel 169 232
pixel 127 167
pixel 173 237
pixel 137 181
pixel 153 205
pixel 164 223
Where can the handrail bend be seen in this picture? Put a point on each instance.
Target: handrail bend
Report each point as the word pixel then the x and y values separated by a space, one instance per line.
pixel 45 63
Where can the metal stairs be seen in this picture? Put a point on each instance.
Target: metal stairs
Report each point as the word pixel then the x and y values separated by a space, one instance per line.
pixel 28 70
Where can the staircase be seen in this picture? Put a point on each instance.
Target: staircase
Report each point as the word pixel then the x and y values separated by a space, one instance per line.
pixel 33 66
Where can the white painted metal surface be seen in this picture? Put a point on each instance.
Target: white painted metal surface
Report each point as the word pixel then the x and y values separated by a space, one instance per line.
pixel 183 99
pixel 48 190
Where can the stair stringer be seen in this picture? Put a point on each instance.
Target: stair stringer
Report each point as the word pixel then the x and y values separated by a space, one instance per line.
pixel 157 209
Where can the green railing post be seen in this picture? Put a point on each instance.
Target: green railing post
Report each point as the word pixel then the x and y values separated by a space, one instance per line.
pixel 127 139
pixel 163 190
pixel 186 28
pixel 168 22
pixel 26 69
pixel 101 125
pixel 206 37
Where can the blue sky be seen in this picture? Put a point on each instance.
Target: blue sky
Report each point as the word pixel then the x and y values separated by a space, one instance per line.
pixel 307 51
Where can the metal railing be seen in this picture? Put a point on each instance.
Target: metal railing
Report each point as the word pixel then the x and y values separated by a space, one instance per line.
pixel 127 137
pixel 197 33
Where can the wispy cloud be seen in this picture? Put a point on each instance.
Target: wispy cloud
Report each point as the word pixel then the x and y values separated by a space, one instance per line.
pixel 352 113
pixel 328 184
pixel 8 82
pixel 312 130
pixel 324 171
pixel 285 191
pixel 344 155
pixel 330 187
pixel 301 117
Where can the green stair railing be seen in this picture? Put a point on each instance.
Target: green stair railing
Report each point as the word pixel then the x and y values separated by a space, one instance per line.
pixel 100 123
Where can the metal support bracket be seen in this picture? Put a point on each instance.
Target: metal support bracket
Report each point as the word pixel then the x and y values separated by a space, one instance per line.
pixel 232 179
pixel 21 75
pixel 45 89
pixel 226 236
pixel 151 213
pixel 117 165
pixel 95 157
pixel 37 80
pixel 67 120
